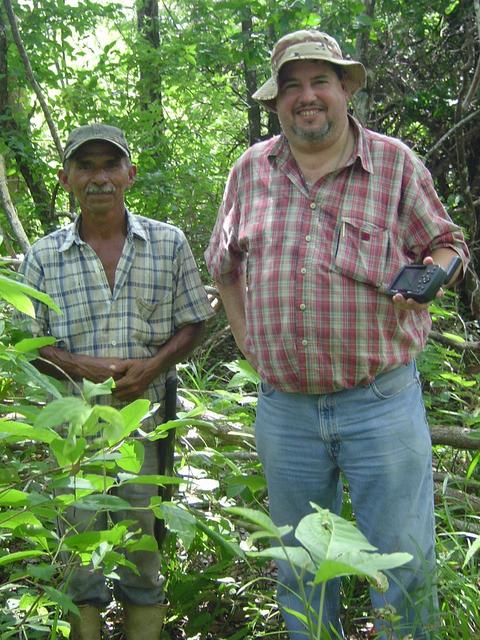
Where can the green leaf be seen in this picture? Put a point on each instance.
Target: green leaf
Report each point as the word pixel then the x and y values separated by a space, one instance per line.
pixel 64 410
pixel 23 431
pixel 360 563
pixel 472 551
pixel 20 556
pixel 102 502
pixel 326 535
pixel 12 497
pixel 297 556
pixel 262 520
pixel 132 455
pixel 94 389
pixel 41 380
pixel 67 452
pixel 41 571
pixel 134 413
pixel 32 344
pixel 13 518
pixel 60 598
pixel 228 547
pixel 14 287
pixel 245 373
pixel 178 520
pixel 158 480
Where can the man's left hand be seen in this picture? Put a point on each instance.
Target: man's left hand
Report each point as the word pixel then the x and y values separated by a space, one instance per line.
pixel 137 377
pixel 410 304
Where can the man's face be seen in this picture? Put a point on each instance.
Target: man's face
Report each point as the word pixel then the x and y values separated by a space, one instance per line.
pixel 311 104
pixel 98 175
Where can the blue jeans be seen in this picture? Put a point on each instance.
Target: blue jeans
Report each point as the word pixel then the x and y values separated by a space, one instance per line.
pixel 378 438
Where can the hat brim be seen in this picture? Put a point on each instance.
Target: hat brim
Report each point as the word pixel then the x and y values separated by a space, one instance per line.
pixel 355 79
pixel 74 148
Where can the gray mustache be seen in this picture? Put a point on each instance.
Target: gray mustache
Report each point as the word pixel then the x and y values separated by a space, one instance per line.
pixel 97 189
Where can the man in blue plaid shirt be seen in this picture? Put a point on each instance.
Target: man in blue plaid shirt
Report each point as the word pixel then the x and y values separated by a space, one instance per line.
pixel 133 305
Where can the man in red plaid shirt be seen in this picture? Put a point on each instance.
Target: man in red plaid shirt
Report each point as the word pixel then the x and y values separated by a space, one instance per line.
pixel 313 227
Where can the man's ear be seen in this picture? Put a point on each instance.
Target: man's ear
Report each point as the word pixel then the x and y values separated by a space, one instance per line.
pixel 62 176
pixel 132 172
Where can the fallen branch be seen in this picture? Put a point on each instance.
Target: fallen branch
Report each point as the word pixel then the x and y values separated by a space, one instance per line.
pixel 457 437
pixel 463 345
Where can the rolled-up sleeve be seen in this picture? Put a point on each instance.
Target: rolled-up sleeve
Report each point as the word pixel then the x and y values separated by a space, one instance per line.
pixel 224 257
pixel 429 226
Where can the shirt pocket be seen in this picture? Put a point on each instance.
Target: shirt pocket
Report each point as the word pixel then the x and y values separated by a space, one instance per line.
pixel 362 252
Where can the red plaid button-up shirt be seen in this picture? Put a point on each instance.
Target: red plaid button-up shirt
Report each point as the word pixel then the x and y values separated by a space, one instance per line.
pixel 319 260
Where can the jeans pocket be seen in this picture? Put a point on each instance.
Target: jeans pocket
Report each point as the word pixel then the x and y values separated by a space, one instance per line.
pixel 266 389
pixel 392 383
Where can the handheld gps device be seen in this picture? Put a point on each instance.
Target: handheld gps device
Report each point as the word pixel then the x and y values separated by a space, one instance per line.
pixel 422 281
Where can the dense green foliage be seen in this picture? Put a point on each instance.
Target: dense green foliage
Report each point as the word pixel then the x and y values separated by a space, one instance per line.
pixel 179 83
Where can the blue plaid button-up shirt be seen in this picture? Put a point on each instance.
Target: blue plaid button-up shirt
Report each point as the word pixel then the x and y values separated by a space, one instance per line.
pixel 157 291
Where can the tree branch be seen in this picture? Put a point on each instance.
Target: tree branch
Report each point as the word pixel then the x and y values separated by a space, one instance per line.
pixel 7 205
pixel 31 77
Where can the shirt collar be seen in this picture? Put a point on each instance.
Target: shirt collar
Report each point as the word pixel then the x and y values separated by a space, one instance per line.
pixel 134 228
pixel 280 150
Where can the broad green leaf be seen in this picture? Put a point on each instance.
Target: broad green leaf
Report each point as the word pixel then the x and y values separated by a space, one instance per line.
pixel 12 497
pixel 68 452
pixel 32 344
pixel 132 455
pixel 134 413
pixel 60 598
pixel 360 564
pixel 102 502
pixel 327 535
pixel 13 518
pixel 94 389
pixel 144 543
pixel 65 410
pixel 18 300
pixel 259 518
pixel 16 287
pixel 89 540
pixel 24 431
pixel 179 521
pixel 41 571
pixel 297 556
pixel 245 373
pixel 158 480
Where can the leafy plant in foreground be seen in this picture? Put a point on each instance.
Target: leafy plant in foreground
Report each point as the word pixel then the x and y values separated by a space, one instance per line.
pixel 330 547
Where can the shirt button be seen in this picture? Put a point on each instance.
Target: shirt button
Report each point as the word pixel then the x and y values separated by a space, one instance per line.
pixel 114 343
pixel 302 307
pixel 304 342
pixel 313 205
pixel 308 238
pixel 303 270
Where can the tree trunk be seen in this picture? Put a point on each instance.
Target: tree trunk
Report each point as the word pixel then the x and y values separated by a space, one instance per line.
pixel 362 98
pixel 18 141
pixel 150 90
pixel 250 75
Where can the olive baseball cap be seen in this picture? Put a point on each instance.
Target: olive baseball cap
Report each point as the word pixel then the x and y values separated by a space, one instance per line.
pixel 89 132
pixel 308 45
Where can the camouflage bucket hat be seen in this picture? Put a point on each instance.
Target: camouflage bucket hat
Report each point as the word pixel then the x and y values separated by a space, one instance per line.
pixel 308 45
pixel 90 132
